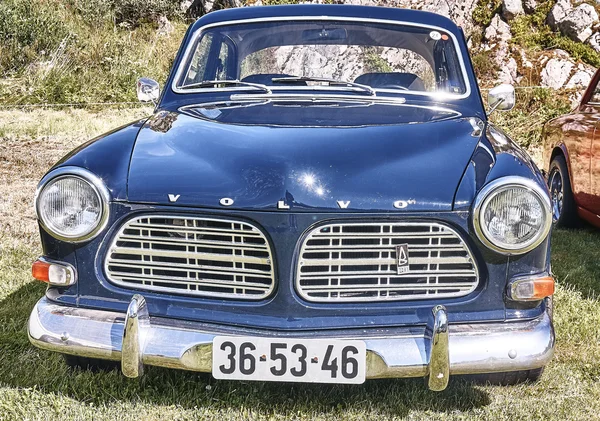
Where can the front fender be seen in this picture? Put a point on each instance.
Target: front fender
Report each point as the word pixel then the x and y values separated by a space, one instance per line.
pixel 497 156
pixel 108 157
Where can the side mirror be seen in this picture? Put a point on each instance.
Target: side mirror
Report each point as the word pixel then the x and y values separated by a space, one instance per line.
pixel 502 98
pixel 148 90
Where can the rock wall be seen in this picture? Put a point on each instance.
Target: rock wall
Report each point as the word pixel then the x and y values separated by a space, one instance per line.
pixel 553 68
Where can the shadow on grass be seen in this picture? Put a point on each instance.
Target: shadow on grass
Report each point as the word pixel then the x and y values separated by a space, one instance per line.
pixel 576 259
pixel 23 366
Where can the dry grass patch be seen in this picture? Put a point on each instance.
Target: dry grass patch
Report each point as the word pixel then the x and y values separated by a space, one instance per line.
pixel 30 143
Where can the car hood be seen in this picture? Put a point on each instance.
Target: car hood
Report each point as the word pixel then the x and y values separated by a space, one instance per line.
pixel 184 160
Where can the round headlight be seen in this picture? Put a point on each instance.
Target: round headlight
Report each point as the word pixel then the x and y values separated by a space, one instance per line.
pixel 512 215
pixel 72 204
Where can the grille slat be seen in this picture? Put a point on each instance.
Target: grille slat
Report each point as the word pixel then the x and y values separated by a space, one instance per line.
pixel 386 287
pixel 358 262
pixel 358 275
pixel 179 266
pixel 174 280
pixel 366 249
pixel 253 232
pixel 192 256
pixel 214 244
pixel 385 261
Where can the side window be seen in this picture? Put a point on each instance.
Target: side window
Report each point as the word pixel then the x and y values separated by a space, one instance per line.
pixel 595 98
pixel 199 60
pixel 212 59
pixel 224 65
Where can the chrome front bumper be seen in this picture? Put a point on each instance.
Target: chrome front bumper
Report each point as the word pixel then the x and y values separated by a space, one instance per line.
pixel 436 351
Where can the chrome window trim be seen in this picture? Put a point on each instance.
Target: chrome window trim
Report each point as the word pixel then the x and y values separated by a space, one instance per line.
pixel 165 290
pixel 253 100
pixel 437 95
pixel 319 300
pixel 481 201
pixel 97 185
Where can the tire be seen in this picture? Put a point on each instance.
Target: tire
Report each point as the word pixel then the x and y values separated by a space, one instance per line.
pixel 92 364
pixel 564 209
pixel 507 379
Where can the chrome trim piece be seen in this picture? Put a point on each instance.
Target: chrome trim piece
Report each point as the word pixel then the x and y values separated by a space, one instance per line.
pixel 391 352
pixel 135 328
pixel 209 257
pixel 439 362
pixel 488 191
pixel 358 262
pixel 194 37
pixel 97 185
pixel 478 125
pixel 258 99
pixel 319 97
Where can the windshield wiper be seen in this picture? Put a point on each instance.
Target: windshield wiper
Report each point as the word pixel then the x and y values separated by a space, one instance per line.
pixel 206 83
pixel 292 79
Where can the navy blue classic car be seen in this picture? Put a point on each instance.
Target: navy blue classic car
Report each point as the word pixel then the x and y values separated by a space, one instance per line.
pixel 318 197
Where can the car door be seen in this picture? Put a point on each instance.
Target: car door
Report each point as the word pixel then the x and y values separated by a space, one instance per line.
pixel 594 199
pixel 591 201
pixel 577 131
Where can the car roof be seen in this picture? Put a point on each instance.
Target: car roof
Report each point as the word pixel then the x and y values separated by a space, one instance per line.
pixel 317 10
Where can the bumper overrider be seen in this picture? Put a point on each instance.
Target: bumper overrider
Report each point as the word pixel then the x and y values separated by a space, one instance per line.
pixel 437 350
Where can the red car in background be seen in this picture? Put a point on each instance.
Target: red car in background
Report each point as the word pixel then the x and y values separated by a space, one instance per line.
pixel 572 154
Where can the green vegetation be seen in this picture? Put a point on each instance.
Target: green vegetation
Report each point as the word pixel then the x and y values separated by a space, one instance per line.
pixel 484 65
pixel 534 108
pixel 532 33
pixel 375 63
pixel 485 10
pixel 70 51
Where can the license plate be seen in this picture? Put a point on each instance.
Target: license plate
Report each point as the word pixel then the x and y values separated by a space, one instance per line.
pixel 289 360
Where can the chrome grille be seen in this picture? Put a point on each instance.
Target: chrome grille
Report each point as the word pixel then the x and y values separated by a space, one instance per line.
pixel 193 256
pixel 359 262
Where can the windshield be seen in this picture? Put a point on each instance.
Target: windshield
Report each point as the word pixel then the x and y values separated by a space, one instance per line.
pixel 286 55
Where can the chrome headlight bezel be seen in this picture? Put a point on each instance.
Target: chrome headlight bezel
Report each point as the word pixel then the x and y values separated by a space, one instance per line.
pixel 97 186
pixel 497 186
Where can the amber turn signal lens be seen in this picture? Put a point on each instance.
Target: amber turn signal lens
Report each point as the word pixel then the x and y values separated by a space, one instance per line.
pixel 532 288
pixel 54 273
pixel 40 270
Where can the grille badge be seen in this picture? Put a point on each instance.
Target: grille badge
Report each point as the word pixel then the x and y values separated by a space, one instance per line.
pixel 402 263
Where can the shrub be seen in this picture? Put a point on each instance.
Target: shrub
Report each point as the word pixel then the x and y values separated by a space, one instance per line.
pixel 484 65
pixel 534 107
pixel 485 10
pixel 29 30
pixel 132 12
